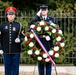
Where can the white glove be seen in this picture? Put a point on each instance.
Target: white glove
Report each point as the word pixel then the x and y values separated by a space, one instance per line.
pixel 17 40
pixel 38 13
pixel 1 52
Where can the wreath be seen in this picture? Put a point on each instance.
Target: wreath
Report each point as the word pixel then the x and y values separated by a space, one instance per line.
pixel 52 30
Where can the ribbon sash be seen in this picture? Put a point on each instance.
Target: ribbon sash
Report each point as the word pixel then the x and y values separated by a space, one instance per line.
pixel 42 46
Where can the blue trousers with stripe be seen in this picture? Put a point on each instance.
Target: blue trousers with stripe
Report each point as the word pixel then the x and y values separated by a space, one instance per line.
pixel 11 63
pixel 48 67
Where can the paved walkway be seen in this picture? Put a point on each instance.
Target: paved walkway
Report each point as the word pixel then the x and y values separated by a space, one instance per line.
pixel 67 70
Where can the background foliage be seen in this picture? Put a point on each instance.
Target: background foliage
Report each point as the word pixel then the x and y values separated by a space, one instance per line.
pixel 27 5
pixel 56 7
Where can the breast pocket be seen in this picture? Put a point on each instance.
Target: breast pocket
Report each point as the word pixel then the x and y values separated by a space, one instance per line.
pixel 5 31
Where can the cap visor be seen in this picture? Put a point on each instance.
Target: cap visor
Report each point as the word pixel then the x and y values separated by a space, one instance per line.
pixel 10 13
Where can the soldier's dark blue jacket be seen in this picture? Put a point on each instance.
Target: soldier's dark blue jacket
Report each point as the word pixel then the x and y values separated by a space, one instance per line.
pixel 9 32
pixel 47 44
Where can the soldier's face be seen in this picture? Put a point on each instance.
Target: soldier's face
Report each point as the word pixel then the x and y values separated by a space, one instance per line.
pixel 44 12
pixel 11 17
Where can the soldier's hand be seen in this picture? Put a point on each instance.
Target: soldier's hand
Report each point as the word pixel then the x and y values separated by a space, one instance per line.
pixel 17 40
pixel 38 13
pixel 1 52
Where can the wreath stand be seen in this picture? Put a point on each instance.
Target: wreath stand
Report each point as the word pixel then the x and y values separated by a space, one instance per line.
pixel 44 70
pixel 34 69
pixel 44 65
pixel 56 71
pixel 55 31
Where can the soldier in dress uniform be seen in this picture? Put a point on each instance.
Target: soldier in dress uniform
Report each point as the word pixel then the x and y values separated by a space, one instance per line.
pixel 10 40
pixel 43 15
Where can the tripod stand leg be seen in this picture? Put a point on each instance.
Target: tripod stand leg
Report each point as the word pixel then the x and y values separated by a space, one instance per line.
pixel 34 69
pixel 56 71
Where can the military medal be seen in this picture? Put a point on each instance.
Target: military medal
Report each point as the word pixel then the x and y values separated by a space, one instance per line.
pixel 6 27
pixel 14 29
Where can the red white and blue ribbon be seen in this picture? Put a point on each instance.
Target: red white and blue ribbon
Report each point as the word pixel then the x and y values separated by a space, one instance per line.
pixel 42 46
